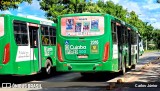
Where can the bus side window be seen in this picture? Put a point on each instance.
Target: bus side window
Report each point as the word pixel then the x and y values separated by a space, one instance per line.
pixel 133 37
pixel 114 34
pixel 45 35
pixel 20 33
pixel 124 35
pixel 16 28
pixel 53 35
pixel 120 32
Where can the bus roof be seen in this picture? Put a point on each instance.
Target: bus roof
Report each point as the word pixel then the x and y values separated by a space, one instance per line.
pixel 132 27
pixel 81 14
pixel 41 20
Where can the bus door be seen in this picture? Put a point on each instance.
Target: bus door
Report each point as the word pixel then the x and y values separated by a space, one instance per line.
pixel 115 41
pixel 119 36
pixel 34 46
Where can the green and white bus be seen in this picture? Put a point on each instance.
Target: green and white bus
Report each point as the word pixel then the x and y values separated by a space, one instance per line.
pixel 95 42
pixel 27 46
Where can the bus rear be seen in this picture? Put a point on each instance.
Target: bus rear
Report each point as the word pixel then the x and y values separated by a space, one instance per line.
pixel 80 43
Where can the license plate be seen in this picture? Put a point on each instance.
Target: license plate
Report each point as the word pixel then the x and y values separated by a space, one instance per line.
pixel 82 56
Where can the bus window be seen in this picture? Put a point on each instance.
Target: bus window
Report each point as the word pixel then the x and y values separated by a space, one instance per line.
pixel 114 34
pixel 24 39
pixel 45 35
pixel 23 28
pixel 126 35
pixel 52 35
pixel 33 31
pixel 46 31
pixel 133 37
pixel 20 33
pixel 119 34
pixel 16 28
pixel 82 26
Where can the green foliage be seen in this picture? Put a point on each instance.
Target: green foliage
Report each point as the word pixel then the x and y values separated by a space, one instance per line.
pixel 54 8
pixel 92 7
pixel 156 38
pixel 7 4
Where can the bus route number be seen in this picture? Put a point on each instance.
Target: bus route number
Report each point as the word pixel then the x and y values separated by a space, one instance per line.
pixel 94 42
pixel 82 51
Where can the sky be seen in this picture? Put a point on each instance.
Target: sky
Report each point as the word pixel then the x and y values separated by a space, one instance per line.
pixel 147 10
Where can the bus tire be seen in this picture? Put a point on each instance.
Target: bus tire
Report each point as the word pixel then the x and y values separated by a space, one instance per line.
pixel 48 67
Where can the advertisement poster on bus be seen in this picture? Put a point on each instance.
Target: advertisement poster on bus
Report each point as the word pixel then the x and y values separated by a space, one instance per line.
pixel 94 24
pixel 69 24
pixel 82 26
pixel 1 26
pixel 86 26
pixel 78 27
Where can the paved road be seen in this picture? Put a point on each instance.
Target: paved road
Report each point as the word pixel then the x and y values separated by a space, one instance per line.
pixel 74 81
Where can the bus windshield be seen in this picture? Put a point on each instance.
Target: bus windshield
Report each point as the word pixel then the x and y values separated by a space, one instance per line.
pixel 82 26
pixel 1 26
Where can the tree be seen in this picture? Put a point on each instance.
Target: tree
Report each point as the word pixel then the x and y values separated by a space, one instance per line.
pixel 7 4
pixel 54 8
pixel 92 7
pixel 113 9
pixel 156 37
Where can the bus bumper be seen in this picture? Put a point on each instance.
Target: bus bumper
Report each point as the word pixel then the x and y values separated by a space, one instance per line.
pixel 86 67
